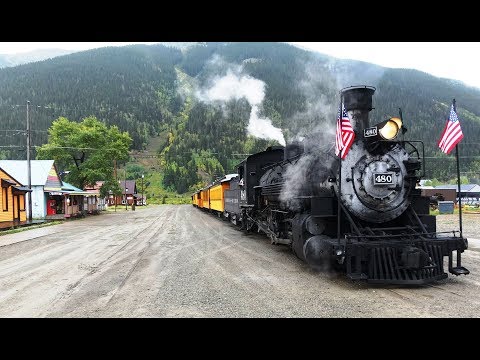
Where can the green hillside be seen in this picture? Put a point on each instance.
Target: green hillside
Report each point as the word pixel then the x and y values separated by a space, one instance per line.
pixel 167 94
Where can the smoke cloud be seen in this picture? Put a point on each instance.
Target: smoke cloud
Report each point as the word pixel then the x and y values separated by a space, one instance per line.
pixel 317 164
pixel 315 128
pixel 295 177
pixel 317 85
pixel 315 125
pixel 236 85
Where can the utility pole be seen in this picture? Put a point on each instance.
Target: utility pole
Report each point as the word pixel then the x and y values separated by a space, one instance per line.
pixel 116 180
pixel 28 167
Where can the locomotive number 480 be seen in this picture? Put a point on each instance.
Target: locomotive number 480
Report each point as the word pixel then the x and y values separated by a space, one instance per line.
pixel 383 178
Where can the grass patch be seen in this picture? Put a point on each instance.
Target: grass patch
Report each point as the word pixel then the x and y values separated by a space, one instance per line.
pixel 25 228
pixel 465 210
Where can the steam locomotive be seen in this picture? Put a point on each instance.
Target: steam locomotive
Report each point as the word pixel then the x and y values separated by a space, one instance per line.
pixel 362 215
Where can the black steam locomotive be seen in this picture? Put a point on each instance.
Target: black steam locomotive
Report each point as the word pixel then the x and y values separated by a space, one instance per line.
pixel 362 214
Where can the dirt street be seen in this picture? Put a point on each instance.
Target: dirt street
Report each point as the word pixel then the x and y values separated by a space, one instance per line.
pixel 177 261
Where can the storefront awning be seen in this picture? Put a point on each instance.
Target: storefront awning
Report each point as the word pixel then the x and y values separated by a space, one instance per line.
pixel 71 193
pixel 52 189
pixel 78 193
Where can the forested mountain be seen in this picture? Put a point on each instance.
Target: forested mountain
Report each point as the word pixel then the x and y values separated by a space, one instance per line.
pixel 207 104
pixel 31 56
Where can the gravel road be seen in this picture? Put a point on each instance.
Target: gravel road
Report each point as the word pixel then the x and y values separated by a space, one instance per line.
pixel 177 261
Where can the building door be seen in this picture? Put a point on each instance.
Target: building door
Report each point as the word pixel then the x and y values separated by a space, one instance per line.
pixel 51 207
pixel 16 207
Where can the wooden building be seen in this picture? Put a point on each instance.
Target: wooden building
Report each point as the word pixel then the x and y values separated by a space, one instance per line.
pixel 94 202
pixel 13 199
pixel 129 193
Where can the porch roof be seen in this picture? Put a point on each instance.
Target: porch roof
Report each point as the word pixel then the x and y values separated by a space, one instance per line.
pixel 22 189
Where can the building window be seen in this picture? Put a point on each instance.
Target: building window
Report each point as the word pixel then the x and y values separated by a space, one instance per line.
pixel 21 199
pixel 5 198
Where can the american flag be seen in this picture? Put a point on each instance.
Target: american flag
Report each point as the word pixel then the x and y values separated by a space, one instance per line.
pixel 344 135
pixel 452 134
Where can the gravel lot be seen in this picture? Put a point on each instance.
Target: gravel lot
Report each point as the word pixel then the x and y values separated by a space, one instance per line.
pixel 470 224
pixel 177 261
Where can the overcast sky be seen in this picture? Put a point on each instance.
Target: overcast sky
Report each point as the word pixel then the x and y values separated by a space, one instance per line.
pixel 453 60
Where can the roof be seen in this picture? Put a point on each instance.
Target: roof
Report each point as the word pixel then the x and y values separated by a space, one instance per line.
pixel 463 188
pixel 39 170
pixel 10 176
pixel 21 188
pixel 10 182
pixel 130 185
pixel 73 190
pixel 228 177
pixel 70 187
pixel 93 192
pixel 96 186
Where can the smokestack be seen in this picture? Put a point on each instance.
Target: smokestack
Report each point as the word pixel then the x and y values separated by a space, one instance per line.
pixel 358 103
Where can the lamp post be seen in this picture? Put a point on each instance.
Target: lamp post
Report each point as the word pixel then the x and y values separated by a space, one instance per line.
pixel 126 202
pixel 114 198
pixel 143 203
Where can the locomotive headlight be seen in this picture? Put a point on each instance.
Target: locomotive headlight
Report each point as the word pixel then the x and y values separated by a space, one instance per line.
pixel 390 128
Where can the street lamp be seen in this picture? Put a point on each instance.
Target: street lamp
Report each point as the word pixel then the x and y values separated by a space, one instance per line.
pixel 110 193
pixel 143 203
pixel 126 202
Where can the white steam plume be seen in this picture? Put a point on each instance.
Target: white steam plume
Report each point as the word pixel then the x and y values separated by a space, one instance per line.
pixel 318 115
pixel 235 85
pixel 295 177
pixel 315 127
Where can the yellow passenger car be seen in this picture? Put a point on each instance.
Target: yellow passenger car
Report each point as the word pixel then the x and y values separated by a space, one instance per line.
pixel 204 201
pixel 217 193
pixel 196 199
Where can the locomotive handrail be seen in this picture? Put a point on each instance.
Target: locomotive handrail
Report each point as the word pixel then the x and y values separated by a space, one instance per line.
pixel 420 234
pixel 412 210
pixel 270 165
pixel 418 155
pixel 352 223
pixel 416 150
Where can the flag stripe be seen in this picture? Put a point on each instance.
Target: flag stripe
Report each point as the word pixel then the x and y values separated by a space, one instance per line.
pixel 345 135
pixel 452 133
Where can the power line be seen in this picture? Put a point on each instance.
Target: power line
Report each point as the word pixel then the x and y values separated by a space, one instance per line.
pixel 21 105
pixel 452 158
pixel 24 131
pixel 75 148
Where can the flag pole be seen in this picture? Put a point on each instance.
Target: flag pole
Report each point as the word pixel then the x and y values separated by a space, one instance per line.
pixel 339 208
pixel 458 180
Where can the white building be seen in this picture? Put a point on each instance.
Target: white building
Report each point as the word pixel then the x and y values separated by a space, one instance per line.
pixel 45 181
